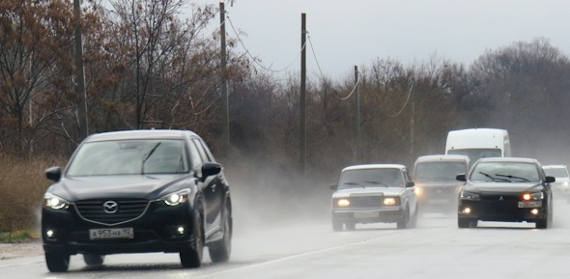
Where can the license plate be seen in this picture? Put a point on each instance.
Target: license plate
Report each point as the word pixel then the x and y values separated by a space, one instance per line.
pixel 118 233
pixel 530 204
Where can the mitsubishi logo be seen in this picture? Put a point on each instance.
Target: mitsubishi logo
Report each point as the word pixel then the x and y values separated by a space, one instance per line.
pixel 501 198
pixel 110 207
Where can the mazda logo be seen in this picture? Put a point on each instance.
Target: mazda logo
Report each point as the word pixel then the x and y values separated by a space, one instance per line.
pixel 110 207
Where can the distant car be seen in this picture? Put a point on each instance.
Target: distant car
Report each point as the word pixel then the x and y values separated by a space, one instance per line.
pixel 436 186
pixel 372 194
pixel 560 173
pixel 505 189
pixel 134 192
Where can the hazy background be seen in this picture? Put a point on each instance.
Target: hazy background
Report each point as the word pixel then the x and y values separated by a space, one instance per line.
pixel 347 33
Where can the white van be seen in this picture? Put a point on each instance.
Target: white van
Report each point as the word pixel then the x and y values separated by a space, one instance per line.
pixel 478 143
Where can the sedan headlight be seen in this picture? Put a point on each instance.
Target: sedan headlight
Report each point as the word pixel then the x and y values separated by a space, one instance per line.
pixel 54 202
pixel 468 196
pixel 176 198
pixel 343 203
pixel 391 201
pixel 533 196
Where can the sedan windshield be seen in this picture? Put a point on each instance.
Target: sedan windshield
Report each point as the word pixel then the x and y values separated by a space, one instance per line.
pixel 129 157
pixel 439 171
pixel 505 172
pixel 556 172
pixel 371 178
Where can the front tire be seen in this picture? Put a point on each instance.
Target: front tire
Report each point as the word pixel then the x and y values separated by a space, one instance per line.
pixel 336 224
pixel 463 223
pixel 403 222
pixel 93 260
pixel 542 224
pixel 191 256
pixel 57 261
pixel 220 250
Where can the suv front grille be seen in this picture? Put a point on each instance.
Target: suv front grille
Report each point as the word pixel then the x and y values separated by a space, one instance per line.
pixel 128 209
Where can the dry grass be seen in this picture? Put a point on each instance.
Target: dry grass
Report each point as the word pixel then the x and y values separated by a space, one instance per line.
pixel 22 185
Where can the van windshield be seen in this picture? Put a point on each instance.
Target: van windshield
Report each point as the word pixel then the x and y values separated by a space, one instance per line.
pixel 476 154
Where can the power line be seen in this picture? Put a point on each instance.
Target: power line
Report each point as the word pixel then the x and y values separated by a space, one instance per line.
pixel 405 104
pixel 351 91
pixel 255 59
pixel 315 56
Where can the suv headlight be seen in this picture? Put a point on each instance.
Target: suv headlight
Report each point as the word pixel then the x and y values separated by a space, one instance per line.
pixel 468 196
pixel 54 202
pixel 533 196
pixel 176 198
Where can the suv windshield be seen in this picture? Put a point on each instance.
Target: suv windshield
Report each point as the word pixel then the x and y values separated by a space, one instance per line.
pixel 371 178
pixel 556 172
pixel 126 157
pixel 476 154
pixel 439 171
pixel 505 172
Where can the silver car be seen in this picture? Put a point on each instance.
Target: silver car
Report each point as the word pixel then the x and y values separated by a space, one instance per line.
pixel 375 193
pixel 560 187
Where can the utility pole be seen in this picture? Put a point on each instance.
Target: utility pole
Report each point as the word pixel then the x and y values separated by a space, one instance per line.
pixel 79 73
pixel 357 155
pixel 302 103
pixel 412 126
pixel 223 69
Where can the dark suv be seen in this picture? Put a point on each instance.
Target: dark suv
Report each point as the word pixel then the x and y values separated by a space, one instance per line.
pixel 134 192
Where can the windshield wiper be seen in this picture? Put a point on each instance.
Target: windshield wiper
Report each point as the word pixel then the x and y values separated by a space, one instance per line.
pixel 147 156
pixel 512 176
pixel 495 179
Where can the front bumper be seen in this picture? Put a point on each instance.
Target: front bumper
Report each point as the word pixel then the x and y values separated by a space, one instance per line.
pixel 500 211
pixel 154 231
pixel 386 214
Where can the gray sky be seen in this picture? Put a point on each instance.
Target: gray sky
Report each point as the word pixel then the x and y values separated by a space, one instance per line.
pixel 345 33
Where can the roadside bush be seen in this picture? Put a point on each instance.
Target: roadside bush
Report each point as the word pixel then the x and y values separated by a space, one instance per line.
pixel 22 184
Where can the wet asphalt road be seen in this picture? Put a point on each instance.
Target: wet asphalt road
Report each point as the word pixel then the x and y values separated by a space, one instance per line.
pixel 436 249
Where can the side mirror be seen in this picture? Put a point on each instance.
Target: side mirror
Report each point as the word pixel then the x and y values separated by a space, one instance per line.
pixel 461 177
pixel 209 169
pixel 333 187
pixel 410 184
pixel 549 179
pixel 53 174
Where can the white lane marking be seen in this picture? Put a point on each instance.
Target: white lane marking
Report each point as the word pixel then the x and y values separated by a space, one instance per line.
pixel 291 257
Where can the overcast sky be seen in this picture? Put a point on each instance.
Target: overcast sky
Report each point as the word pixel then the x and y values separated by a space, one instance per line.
pixel 346 33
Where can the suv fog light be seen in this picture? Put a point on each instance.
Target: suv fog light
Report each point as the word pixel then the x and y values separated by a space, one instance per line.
pixel 467 210
pixel 50 233
pixel 534 211
pixel 180 230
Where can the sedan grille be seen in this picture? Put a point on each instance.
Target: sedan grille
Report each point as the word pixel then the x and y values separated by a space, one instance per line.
pixel 96 212
pixel 365 201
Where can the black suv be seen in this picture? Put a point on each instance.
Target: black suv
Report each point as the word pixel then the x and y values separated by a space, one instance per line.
pixel 134 192
pixel 505 189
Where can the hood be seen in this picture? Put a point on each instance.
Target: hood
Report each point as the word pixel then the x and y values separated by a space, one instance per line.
pixel 118 186
pixel 369 191
pixel 494 187
pixel 442 184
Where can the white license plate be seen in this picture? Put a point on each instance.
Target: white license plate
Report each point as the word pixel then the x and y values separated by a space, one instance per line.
pixel 530 204
pixel 362 215
pixel 118 233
